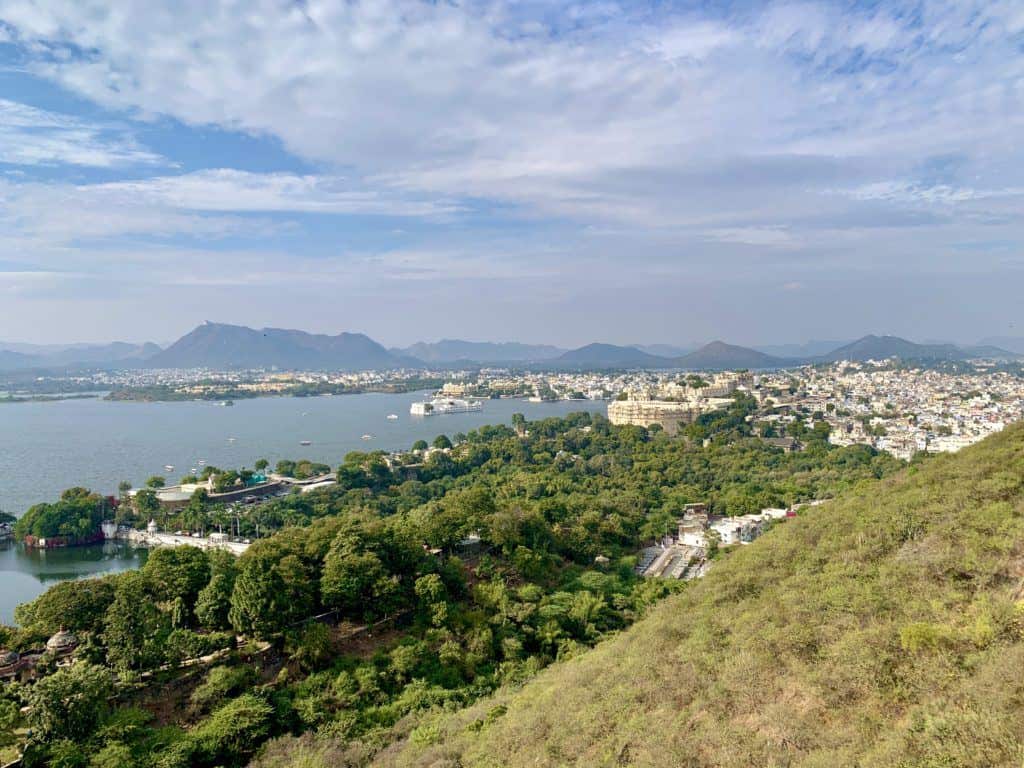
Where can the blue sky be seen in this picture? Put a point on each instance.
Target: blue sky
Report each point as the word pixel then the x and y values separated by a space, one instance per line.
pixel 538 171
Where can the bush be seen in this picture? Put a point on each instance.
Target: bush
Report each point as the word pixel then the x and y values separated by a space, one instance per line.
pixel 220 684
pixel 234 731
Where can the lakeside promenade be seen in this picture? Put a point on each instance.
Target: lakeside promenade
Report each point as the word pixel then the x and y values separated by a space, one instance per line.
pixel 151 539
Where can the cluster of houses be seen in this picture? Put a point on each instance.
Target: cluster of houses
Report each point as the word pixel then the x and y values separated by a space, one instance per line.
pixel 685 556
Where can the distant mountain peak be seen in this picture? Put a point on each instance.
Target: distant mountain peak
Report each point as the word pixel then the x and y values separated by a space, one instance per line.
pixel 601 355
pixel 460 350
pixel 719 355
pixel 220 345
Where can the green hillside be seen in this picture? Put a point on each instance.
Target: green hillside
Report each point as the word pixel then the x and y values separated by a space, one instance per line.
pixel 883 629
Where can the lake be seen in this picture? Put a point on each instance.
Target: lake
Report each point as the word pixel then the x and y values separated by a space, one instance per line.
pixel 27 573
pixel 47 447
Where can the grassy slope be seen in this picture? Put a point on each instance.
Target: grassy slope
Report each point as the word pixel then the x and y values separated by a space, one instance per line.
pixel 884 629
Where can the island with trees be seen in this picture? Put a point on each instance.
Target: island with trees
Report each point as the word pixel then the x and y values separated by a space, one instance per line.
pixel 74 519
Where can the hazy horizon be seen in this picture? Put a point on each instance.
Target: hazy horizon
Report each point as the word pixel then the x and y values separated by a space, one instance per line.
pixel 543 172
pixel 12 343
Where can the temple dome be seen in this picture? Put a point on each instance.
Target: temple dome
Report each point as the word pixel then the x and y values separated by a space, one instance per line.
pixel 62 642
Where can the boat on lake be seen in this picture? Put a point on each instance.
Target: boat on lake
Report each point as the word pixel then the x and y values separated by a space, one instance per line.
pixel 392 417
pixel 305 442
pixel 367 437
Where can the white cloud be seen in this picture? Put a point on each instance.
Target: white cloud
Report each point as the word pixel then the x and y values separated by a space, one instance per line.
pixel 760 236
pixel 786 134
pixel 204 204
pixel 501 101
pixel 31 136
pixel 905 191
pixel 226 189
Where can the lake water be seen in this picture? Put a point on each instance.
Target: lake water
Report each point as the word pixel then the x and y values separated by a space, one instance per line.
pixel 47 447
pixel 27 573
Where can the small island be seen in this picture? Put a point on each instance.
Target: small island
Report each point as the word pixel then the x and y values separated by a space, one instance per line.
pixel 73 520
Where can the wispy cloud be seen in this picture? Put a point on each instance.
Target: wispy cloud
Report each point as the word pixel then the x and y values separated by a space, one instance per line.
pixel 204 204
pixel 31 136
pixel 752 139
pixel 225 189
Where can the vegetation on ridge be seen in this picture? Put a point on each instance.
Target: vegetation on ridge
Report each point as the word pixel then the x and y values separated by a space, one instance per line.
pixel 883 629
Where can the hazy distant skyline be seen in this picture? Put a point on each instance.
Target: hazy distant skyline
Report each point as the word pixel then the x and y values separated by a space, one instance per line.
pixel 536 171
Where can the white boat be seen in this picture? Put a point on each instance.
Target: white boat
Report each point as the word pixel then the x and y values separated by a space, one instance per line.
pixel 200 462
pixel 367 437
pixel 169 467
pixel 442 405
pixel 305 442
pixel 392 417
pixel 232 439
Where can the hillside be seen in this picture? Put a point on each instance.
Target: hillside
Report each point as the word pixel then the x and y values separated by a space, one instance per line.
pixel 882 347
pixel 117 353
pixel 721 356
pixel 610 356
pixel 1013 344
pixel 455 350
pixel 10 361
pixel 812 348
pixel 216 345
pixel 882 629
pixel 664 350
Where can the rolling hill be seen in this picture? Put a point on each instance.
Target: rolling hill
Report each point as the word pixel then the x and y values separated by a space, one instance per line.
pixel 216 345
pixel 665 350
pixel 809 349
pixel 882 347
pixel 1013 344
pixel 10 361
pixel 885 628
pixel 610 356
pixel 721 356
pixel 457 350
pixel 115 354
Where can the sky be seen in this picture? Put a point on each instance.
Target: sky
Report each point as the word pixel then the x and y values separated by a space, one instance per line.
pixel 541 171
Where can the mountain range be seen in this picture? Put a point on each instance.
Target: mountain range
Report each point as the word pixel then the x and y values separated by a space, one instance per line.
pixel 220 345
pixel 118 354
pixel 457 350
pixel 217 345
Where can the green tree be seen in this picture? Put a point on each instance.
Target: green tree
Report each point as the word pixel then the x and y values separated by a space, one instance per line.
pixel 69 704
pixel 355 580
pixel 310 648
pixel 519 423
pixel 213 605
pixel 133 627
pixel 442 442
pixel 233 731
pixel 156 481
pixel 177 572
pixel 78 606
pixel 147 503
pixel 261 602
